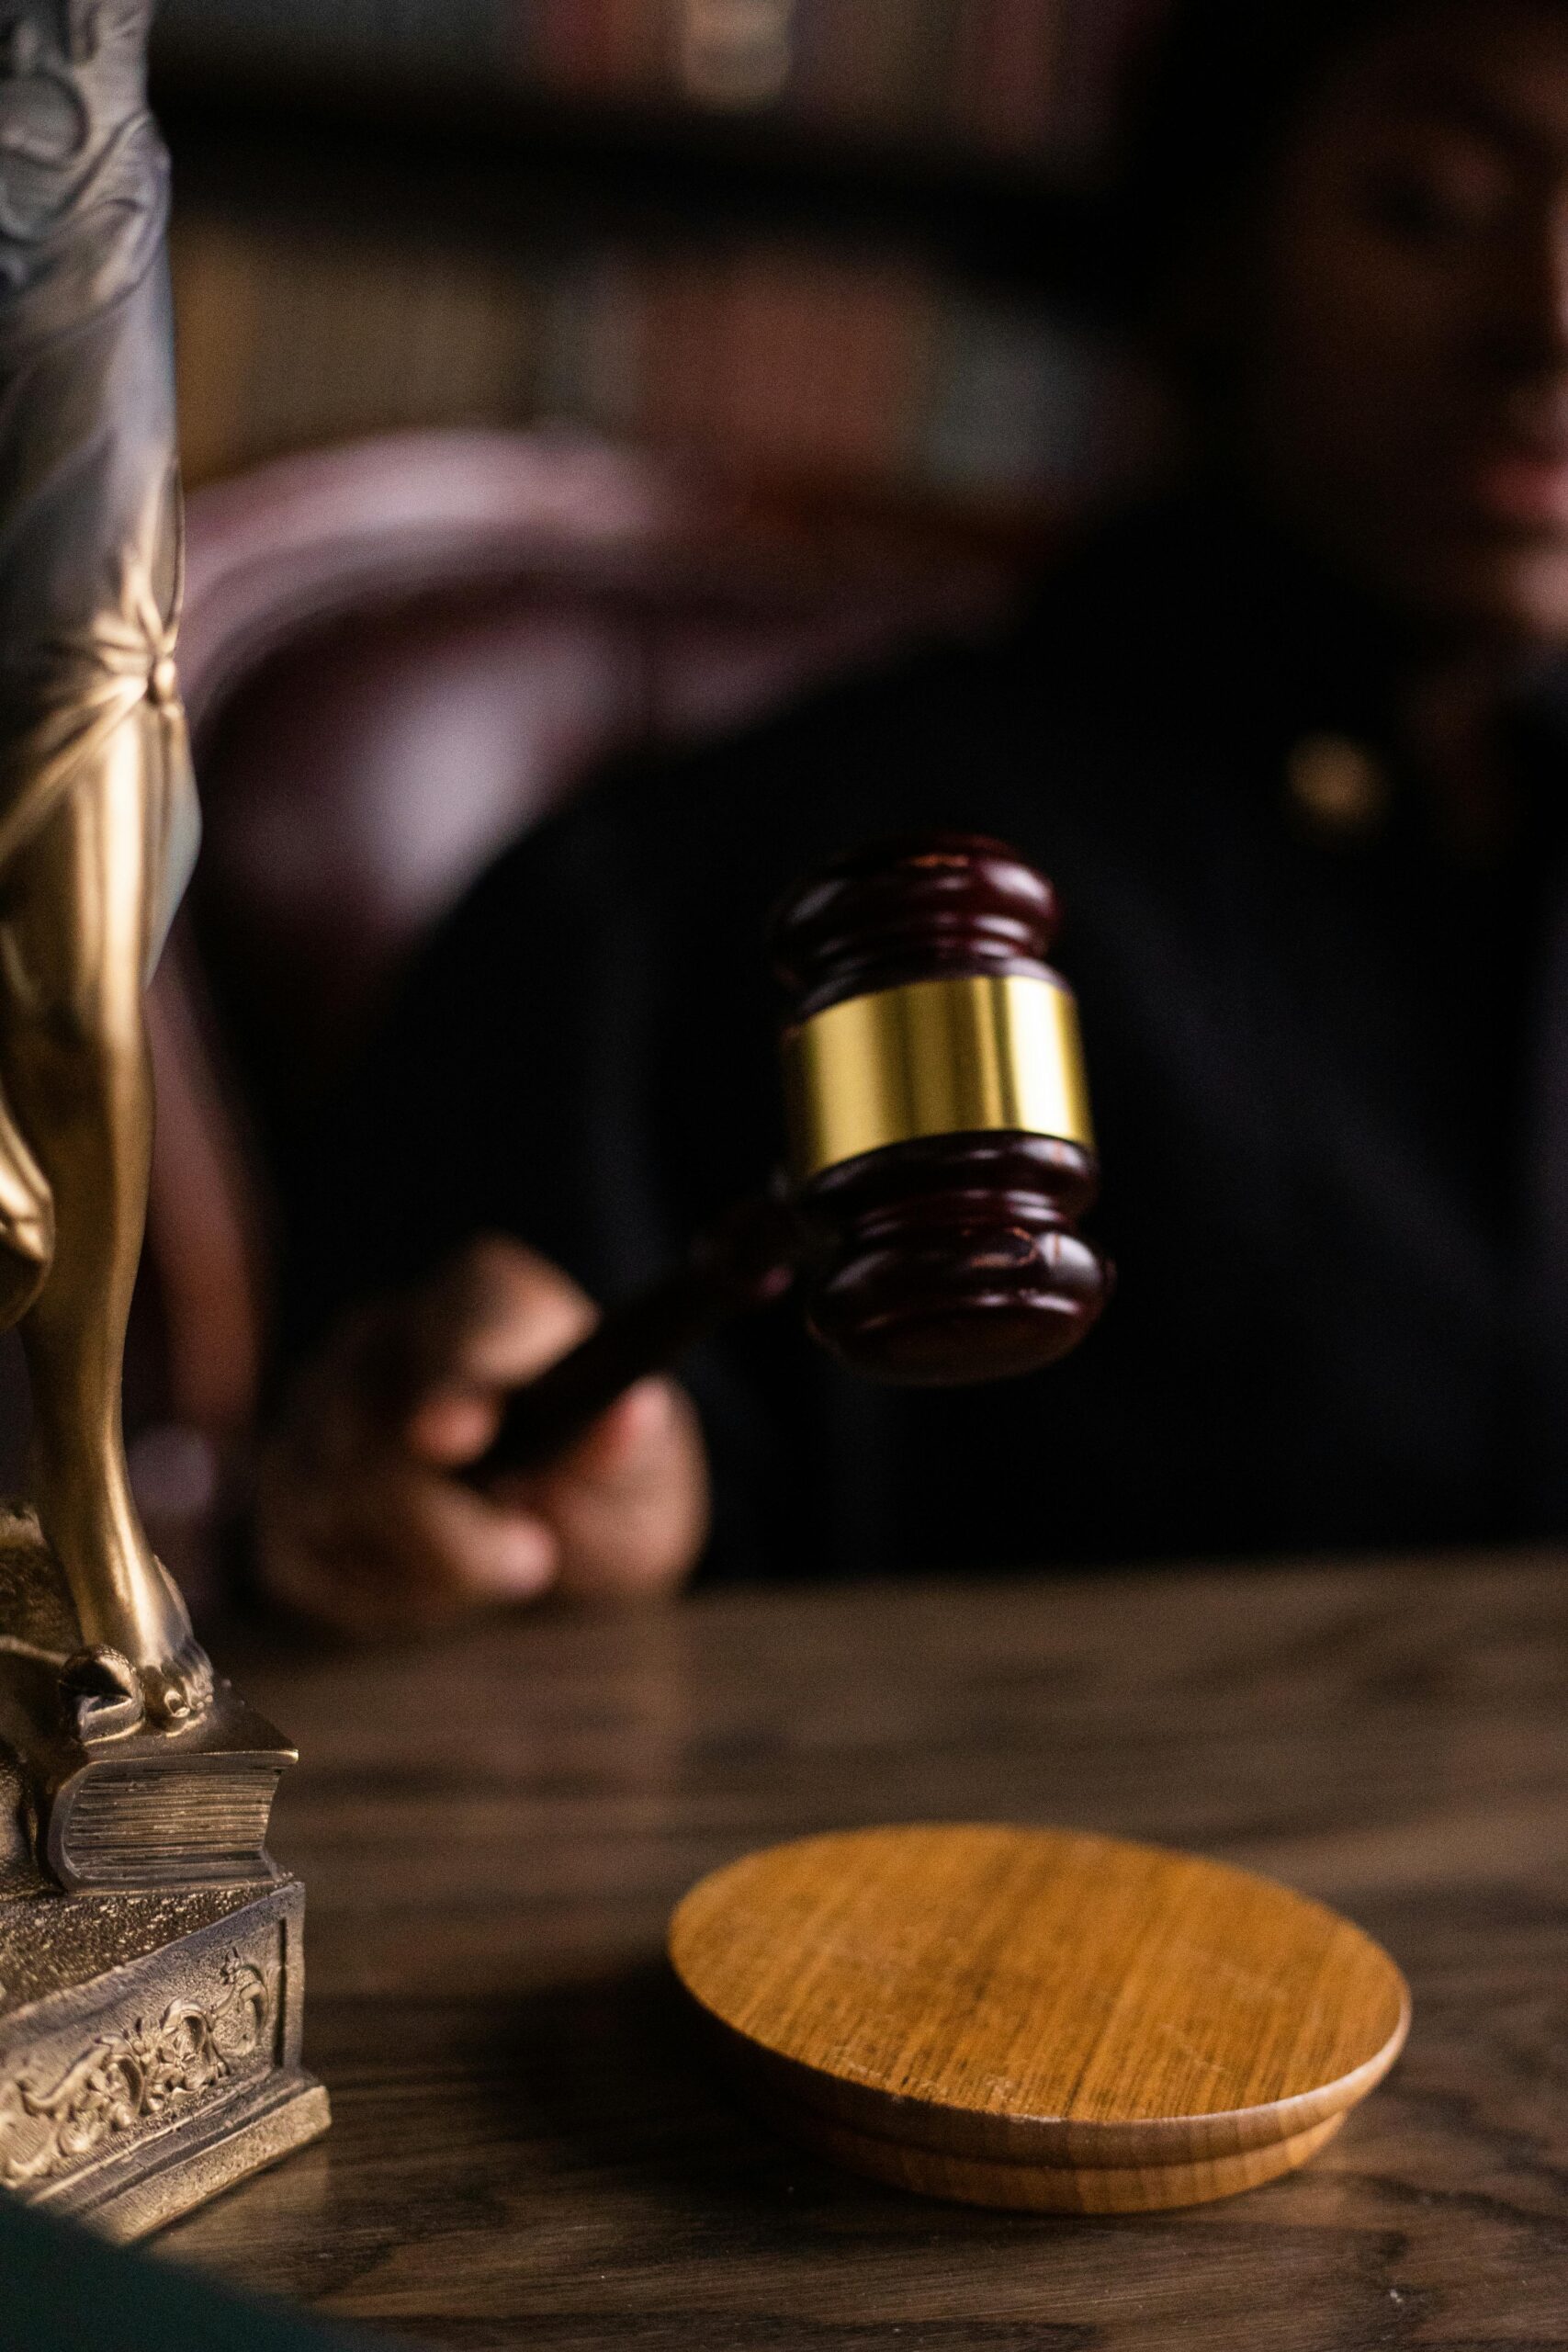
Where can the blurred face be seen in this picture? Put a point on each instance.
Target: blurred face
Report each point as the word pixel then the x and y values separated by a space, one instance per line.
pixel 1398 386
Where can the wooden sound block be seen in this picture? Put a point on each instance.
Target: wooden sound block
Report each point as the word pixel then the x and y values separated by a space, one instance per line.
pixel 1033 2017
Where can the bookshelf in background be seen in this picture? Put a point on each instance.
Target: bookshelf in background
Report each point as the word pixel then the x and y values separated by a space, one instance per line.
pixel 397 212
pixel 791 363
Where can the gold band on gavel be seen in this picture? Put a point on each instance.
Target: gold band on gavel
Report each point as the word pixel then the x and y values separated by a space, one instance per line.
pixel 934 1058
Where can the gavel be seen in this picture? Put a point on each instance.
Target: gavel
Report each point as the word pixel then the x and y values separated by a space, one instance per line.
pixel 941 1150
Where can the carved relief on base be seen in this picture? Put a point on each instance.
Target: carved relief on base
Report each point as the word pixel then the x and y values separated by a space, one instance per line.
pixel 137 2077
pixel 149 2048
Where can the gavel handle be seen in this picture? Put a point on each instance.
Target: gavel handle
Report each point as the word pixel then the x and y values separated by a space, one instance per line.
pixel 747 1261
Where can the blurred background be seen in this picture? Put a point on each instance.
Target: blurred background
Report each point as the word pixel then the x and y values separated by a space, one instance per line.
pixel 808 236
pixel 559 378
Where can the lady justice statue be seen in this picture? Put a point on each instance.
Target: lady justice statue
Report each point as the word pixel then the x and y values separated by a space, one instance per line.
pixel 150 1970
pixel 98 821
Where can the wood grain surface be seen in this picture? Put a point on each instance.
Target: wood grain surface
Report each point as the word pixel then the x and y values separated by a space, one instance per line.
pixel 527 2151
pixel 1037 2018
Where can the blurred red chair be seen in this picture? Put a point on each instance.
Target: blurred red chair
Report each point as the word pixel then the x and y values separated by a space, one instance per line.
pixel 397 656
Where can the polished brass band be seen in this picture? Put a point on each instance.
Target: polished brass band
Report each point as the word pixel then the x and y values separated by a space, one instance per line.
pixel 934 1058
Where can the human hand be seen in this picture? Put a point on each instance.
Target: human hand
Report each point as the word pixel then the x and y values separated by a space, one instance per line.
pixel 360 1523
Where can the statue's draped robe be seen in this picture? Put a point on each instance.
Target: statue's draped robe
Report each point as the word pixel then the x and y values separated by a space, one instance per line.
pixel 89 495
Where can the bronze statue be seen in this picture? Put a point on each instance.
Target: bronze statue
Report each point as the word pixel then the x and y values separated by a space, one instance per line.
pixel 145 1935
pixel 98 819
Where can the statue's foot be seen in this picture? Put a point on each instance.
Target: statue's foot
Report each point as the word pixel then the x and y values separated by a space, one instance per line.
pixel 104 1695
pixel 179 1689
pixel 124 1599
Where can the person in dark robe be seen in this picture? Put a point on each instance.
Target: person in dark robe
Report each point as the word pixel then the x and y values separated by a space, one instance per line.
pixel 1292 740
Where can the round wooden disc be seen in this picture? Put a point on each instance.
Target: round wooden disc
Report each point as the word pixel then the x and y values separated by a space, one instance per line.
pixel 1033 2018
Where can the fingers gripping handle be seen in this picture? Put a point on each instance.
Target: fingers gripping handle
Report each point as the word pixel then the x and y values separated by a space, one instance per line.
pixel 747 1261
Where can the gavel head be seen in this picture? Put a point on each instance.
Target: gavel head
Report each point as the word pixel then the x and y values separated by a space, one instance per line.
pixel 941 1145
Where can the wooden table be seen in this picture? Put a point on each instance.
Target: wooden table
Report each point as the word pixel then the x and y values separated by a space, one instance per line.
pixel 527 2151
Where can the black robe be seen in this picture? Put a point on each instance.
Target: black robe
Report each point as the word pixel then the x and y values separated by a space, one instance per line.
pixel 1324 1063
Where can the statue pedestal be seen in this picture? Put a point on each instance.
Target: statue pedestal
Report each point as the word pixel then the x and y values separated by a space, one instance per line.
pixel 152 1958
pixel 149 2048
